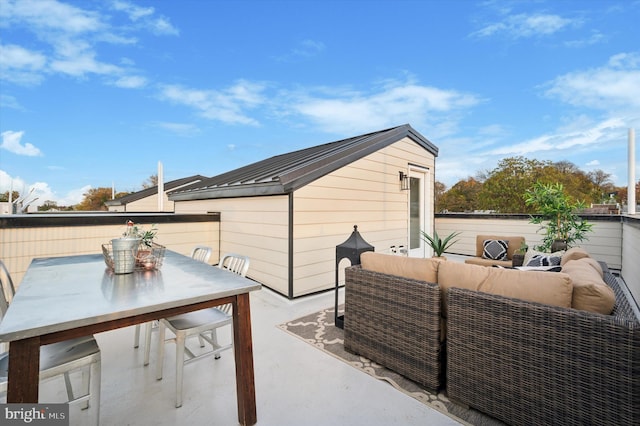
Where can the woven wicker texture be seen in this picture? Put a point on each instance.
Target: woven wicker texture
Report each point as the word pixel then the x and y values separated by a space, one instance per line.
pixel 528 363
pixel 395 322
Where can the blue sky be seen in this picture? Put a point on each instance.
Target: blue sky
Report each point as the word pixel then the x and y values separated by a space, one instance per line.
pixel 95 93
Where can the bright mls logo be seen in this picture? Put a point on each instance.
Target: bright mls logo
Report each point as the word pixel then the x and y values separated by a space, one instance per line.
pixel 35 414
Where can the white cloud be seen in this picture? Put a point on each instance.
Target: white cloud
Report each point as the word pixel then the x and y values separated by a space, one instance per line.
pixel 8 101
pixel 395 103
pixel 73 197
pixel 228 105
pixel 144 15
pixel 67 39
pixel 134 12
pixel 303 50
pixel 12 142
pixel 40 191
pixel 596 136
pixel 613 86
pixel 179 129
pixel 162 26
pixel 50 15
pixel 7 183
pixel 77 62
pixel 527 26
pixel 595 38
pixel 20 65
pixel 131 82
pixel 593 163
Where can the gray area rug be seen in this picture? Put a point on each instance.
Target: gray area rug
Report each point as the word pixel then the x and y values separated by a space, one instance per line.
pixel 318 329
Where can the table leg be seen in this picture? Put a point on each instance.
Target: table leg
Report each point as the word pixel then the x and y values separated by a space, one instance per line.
pixel 243 348
pixel 24 370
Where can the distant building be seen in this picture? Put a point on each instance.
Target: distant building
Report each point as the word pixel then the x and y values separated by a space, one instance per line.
pixel 147 199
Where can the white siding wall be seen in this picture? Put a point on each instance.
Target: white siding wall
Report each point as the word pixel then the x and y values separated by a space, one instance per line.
pixel 18 246
pixel 147 204
pixel 150 204
pixel 631 257
pixel 365 193
pixel 256 227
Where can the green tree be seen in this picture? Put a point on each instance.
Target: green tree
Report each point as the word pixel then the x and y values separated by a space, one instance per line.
pixel 94 199
pixel 4 197
pixel 462 197
pixel 150 182
pixel 603 185
pixel 439 190
pixel 505 186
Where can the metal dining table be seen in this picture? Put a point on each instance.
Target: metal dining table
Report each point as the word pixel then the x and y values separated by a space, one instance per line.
pixel 61 298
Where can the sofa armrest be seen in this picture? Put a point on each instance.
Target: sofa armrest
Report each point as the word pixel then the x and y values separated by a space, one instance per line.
pixel 529 363
pixel 395 322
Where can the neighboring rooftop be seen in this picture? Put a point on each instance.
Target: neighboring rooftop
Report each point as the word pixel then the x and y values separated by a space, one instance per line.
pixel 168 186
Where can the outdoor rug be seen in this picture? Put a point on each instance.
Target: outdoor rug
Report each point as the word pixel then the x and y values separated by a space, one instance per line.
pixel 318 330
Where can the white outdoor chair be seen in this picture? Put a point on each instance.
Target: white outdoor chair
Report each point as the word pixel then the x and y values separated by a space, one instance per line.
pixel 201 253
pixel 59 358
pixel 202 324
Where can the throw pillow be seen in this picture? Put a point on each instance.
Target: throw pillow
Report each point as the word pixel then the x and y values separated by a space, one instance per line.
pixel 530 253
pixel 544 260
pixel 495 249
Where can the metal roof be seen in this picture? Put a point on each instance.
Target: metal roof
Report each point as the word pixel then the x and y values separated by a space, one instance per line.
pixel 283 174
pixel 174 184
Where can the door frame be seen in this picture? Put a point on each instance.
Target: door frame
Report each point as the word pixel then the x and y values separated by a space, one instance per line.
pixel 423 174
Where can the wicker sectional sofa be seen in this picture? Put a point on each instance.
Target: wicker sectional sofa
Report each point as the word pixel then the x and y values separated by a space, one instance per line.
pixel 520 361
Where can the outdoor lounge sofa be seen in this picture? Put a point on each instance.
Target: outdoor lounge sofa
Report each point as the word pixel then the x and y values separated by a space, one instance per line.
pixel 537 361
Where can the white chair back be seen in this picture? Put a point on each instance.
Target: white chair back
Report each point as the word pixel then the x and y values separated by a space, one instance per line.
pixel 235 263
pixel 201 253
pixel 8 290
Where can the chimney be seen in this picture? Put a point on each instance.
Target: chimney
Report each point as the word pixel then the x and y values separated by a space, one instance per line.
pixel 160 187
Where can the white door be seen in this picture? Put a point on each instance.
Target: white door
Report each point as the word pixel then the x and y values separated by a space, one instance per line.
pixel 418 205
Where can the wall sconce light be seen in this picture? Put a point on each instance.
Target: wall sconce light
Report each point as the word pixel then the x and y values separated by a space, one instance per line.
pixel 405 184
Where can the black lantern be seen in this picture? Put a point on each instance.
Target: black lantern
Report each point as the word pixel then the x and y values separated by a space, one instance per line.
pixel 351 249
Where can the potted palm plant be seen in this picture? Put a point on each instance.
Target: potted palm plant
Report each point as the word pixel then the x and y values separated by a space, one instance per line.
pixel 439 245
pixel 557 216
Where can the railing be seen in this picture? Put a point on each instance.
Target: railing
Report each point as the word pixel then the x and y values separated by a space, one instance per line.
pixel 615 238
pixel 24 237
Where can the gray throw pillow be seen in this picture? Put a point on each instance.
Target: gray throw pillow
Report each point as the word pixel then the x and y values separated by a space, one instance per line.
pixel 495 249
pixel 542 260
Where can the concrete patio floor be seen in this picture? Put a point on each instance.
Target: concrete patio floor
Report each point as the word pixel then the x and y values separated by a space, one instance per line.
pixel 296 384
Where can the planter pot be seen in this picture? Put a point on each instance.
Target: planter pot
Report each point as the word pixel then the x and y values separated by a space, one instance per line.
pixel 558 245
pixel 124 254
pixel 518 260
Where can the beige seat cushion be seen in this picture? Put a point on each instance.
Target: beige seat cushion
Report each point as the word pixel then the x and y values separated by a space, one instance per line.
pixel 590 292
pixel 551 288
pixel 408 267
pixel 514 244
pixel 488 262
